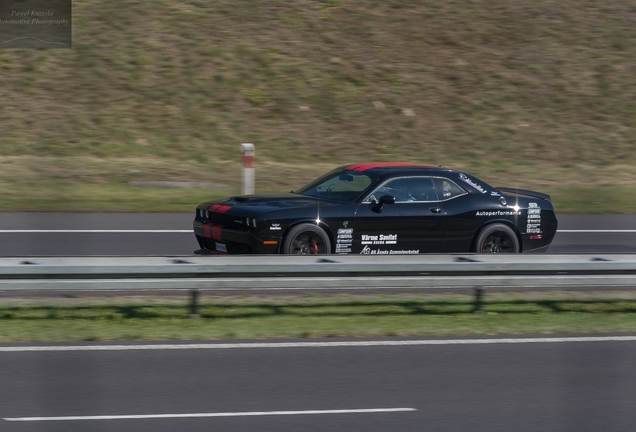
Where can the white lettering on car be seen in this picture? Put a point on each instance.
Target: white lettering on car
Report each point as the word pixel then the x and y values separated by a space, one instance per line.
pixel 344 239
pixel 379 239
pixel 368 251
pixel 463 177
pixel 496 213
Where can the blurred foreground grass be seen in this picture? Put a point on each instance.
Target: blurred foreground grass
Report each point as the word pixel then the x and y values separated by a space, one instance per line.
pixel 521 94
pixel 314 316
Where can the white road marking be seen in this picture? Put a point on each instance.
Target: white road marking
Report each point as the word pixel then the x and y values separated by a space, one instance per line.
pixel 319 344
pixel 189 231
pixel 94 231
pixel 596 231
pixel 221 414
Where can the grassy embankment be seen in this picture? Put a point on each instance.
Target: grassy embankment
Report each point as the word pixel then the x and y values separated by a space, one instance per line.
pixel 313 316
pixel 523 94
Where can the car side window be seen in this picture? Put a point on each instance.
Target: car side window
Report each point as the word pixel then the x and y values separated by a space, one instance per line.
pixel 448 189
pixel 407 189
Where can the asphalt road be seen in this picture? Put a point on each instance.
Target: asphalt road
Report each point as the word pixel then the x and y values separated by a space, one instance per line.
pixel 569 386
pixel 557 386
pixel 73 234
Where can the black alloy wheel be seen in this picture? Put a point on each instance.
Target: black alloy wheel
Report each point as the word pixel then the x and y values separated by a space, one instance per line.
pixel 306 239
pixel 497 238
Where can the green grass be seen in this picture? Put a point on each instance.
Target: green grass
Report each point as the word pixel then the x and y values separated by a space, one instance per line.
pixel 106 198
pixel 589 200
pixel 314 316
pixel 89 184
pixel 536 96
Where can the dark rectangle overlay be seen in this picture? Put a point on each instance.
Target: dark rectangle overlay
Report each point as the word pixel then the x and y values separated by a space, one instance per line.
pixel 36 24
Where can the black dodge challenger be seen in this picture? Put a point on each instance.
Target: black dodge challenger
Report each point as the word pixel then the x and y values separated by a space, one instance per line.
pixel 379 209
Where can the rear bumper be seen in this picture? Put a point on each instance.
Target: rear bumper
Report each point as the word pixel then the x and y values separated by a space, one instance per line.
pixel 532 244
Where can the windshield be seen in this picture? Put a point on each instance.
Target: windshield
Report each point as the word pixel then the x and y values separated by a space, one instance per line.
pixel 339 184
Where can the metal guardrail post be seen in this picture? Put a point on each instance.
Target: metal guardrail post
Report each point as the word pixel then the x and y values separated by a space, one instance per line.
pixel 194 305
pixel 479 297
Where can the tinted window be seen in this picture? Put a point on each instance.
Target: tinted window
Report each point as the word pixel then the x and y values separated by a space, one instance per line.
pixel 339 185
pixel 407 189
pixel 448 189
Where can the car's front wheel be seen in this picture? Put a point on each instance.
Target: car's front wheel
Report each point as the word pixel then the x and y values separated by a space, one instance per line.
pixel 306 239
pixel 497 238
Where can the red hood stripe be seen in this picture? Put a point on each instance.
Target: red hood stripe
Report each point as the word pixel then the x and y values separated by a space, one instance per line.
pixel 219 208
pixel 367 166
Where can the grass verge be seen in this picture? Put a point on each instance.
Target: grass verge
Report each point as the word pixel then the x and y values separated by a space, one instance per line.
pixel 314 316
pixel 88 184
pixel 521 94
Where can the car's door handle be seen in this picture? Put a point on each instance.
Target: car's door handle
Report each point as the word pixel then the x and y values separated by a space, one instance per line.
pixel 436 209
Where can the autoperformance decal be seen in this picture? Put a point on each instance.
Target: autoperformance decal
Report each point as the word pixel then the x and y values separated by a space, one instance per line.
pixel 463 177
pixel 379 239
pixel 534 219
pixel 344 240
pixel 497 213
pixel 368 251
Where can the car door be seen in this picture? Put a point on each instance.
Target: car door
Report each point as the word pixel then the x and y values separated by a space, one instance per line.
pixel 460 222
pixel 413 224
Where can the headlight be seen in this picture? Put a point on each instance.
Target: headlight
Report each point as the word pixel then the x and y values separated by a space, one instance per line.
pixel 207 214
pixel 201 213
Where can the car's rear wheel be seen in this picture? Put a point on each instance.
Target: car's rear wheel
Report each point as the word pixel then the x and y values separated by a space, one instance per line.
pixel 306 239
pixel 497 238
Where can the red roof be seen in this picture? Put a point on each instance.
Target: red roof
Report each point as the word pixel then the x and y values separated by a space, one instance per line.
pixel 368 166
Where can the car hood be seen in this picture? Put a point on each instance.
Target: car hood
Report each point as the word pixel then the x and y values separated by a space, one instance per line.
pixel 522 193
pixel 262 203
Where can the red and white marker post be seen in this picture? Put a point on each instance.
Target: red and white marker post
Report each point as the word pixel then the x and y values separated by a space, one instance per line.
pixel 248 168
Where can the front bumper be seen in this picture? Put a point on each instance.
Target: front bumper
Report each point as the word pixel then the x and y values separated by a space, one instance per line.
pixel 220 239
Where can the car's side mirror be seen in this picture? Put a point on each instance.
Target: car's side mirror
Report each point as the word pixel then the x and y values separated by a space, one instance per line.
pixel 384 199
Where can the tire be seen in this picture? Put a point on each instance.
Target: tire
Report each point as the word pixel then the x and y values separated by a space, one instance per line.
pixel 496 238
pixel 306 239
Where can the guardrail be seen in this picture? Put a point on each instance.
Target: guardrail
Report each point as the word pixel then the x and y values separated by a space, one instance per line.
pixel 329 272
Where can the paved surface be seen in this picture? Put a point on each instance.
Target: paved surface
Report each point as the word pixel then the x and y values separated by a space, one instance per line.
pixel 586 386
pixel 576 386
pixel 105 243
pixel 179 239
pixel 622 240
